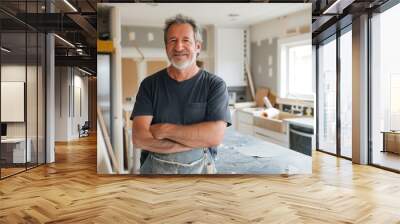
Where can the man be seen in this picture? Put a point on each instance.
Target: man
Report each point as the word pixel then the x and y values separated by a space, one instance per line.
pixel 182 111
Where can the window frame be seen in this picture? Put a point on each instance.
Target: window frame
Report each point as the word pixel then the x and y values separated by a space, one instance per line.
pixel 284 44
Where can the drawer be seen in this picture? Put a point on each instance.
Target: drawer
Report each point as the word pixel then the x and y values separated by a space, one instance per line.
pixel 270 124
pixel 275 136
pixel 244 117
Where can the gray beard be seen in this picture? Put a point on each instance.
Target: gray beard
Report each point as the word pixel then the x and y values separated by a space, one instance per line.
pixel 183 65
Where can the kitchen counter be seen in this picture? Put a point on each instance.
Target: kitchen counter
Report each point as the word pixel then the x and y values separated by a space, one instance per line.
pixel 245 154
pixel 302 121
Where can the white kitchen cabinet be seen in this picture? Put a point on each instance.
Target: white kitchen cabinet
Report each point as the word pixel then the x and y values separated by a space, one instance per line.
pixel 269 129
pixel 245 125
pixel 271 136
pixel 244 121
pixel 245 117
pixel 230 47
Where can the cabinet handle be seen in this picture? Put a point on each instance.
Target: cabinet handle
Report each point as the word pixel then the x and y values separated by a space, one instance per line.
pixel 301 133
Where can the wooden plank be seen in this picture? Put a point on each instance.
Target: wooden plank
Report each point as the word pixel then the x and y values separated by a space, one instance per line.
pixel 251 84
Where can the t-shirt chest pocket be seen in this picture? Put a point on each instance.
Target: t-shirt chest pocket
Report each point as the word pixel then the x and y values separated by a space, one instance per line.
pixel 194 113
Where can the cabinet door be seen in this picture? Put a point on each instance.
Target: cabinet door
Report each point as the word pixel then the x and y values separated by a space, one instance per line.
pixel 244 117
pixel 230 56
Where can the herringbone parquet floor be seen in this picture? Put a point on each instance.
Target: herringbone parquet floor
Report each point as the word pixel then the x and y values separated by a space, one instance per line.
pixel 70 191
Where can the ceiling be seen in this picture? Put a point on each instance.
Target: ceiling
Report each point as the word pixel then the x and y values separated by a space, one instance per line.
pixel 75 22
pixel 242 14
pixel 329 16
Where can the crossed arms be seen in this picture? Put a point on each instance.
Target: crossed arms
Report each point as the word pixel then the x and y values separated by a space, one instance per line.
pixel 171 138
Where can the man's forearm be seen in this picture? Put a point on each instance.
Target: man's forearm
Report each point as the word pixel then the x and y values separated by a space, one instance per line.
pixel 144 139
pixel 205 134
pixel 159 146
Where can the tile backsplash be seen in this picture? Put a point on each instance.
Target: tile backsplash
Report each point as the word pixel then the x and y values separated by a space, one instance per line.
pixel 308 111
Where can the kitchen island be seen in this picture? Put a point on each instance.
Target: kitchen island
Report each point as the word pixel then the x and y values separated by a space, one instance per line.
pixel 245 154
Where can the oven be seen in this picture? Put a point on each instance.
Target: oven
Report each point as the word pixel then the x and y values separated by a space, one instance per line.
pixel 301 139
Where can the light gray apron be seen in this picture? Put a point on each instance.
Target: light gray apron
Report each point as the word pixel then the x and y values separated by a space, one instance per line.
pixel 195 161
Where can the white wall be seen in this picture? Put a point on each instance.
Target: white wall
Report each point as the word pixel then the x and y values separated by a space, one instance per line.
pixel 66 121
pixel 80 93
pixel 223 57
pixel 33 126
pixel 16 73
pixel 61 103
pixel 265 38
pixel 279 27
pixel 151 54
pixel 13 72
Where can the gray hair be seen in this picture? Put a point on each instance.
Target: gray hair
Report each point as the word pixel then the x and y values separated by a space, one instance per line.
pixel 181 19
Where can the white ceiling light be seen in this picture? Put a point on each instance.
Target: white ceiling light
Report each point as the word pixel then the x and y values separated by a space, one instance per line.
pixel 65 41
pixel 70 5
pixel 84 71
pixel 79 51
pixel 5 49
pixel 233 16
pixel 337 7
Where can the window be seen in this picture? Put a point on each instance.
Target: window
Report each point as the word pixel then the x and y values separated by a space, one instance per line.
pixel 346 94
pixel 299 71
pixel 296 70
pixel 385 89
pixel 22 74
pixel 327 96
pixel 394 118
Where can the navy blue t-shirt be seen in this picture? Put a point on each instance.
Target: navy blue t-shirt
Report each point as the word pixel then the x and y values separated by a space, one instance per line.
pixel 204 97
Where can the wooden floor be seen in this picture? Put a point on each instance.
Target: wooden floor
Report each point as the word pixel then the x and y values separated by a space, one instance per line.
pixel 70 191
pixel 10 171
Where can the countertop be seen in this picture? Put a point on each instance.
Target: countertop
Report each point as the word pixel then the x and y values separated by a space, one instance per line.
pixel 302 121
pixel 245 154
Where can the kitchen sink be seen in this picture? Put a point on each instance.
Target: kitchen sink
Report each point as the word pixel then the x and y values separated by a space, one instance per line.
pixel 254 110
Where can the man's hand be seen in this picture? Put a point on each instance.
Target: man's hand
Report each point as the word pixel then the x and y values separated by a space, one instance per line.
pixel 159 131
